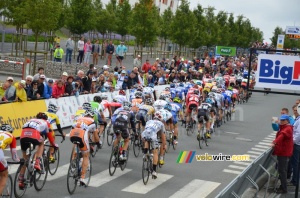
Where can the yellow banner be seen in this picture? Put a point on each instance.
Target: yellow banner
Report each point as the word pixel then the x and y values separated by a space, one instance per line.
pixel 16 114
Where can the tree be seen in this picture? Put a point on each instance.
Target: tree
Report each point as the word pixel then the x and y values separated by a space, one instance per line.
pixel 164 26
pixel 183 25
pixel 201 35
pixel 277 31
pixel 223 29
pixel 144 24
pixel 123 18
pixel 111 19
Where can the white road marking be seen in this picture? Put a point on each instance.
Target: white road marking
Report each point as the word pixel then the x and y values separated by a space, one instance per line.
pixel 258 149
pixel 263 147
pixel 195 188
pixel 236 167
pixel 232 171
pixel 243 163
pixel 254 152
pixel 104 177
pixel 61 171
pixel 234 133
pixel 264 143
pixel 140 188
pixel 269 141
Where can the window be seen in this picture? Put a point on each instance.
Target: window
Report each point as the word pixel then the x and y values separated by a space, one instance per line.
pixel 171 4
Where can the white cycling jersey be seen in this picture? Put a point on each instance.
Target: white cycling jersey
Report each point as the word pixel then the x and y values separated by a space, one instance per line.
pixel 120 98
pixel 166 114
pixel 159 104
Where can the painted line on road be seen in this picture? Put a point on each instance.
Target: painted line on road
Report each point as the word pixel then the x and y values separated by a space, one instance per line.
pixel 254 152
pixel 262 147
pixel 68 135
pixel 264 143
pixel 232 171
pixel 269 138
pixel 268 141
pixel 61 172
pixel 243 139
pixel 104 177
pixel 243 163
pixel 258 149
pixel 140 188
pixel 195 188
pixel 234 133
pixel 236 167
pixel 254 156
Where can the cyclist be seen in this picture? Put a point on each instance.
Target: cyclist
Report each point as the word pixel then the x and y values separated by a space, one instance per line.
pixel 145 112
pixel 192 102
pixel 160 103
pixel 220 103
pixel 173 90
pixel 80 112
pixel 180 91
pixel 234 97
pixel 105 104
pixel 203 113
pixel 149 91
pixel 121 119
pixel 80 133
pixel 99 119
pixel 32 133
pixel 176 109
pixel 153 129
pixel 207 88
pixel 232 80
pixel 137 101
pixel 226 78
pixel 7 138
pixel 53 119
pixel 244 84
pixel 166 92
pixel 121 97
pixel 228 101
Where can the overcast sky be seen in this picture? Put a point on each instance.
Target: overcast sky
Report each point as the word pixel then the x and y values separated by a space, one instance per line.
pixel 263 14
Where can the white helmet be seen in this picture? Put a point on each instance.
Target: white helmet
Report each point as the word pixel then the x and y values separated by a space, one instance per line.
pixel 104 96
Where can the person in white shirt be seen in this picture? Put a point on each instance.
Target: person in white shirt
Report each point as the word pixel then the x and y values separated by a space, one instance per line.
pixel 137 62
pixel 80 48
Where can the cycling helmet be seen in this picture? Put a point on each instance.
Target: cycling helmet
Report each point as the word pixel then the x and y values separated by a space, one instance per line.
pixel 177 100
pixel 158 115
pixel 140 88
pixel 122 92
pixel 41 115
pixel 86 106
pixel 126 105
pixel 199 83
pixel 222 90
pixel 232 74
pixel 211 95
pixel 172 85
pixel 6 127
pixel 214 90
pixel 219 90
pixel 104 96
pixel 138 94
pixel 52 108
pixel 136 86
pixel 167 89
pixel 168 107
pixel 148 101
pixel 196 91
pixel 97 99
pixel 168 96
pixel 209 81
pixel 162 97
pixel 208 100
pixel 195 86
pixel 89 113
pixel 181 85
pixel 151 85
pixel 230 88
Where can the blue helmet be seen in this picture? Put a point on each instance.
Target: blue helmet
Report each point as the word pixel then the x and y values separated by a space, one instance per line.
pixel 151 85
pixel 172 85
pixel 168 107
pixel 181 85
pixel 208 100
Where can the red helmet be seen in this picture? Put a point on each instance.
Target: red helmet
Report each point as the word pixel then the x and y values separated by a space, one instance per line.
pixel 122 92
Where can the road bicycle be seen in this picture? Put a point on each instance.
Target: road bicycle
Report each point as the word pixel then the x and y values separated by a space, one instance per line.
pixel 54 163
pixel 147 168
pixel 137 141
pixel 202 139
pixel 170 140
pixel 109 134
pixel 192 123
pixel 8 189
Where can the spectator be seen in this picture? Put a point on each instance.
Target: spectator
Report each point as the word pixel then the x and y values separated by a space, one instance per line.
pixel 32 93
pixel 77 87
pixel 156 63
pixel 137 62
pixel 104 68
pixel 58 54
pixel 80 48
pixel 92 68
pixel 10 93
pixel 69 49
pixel 275 123
pixel 21 95
pixel 48 89
pixel 110 49
pixel 141 79
pixel 296 150
pixel 136 72
pixel 29 80
pixel 69 86
pixel 125 83
pixel 121 78
pixel 106 74
pixel 146 66
pixel 172 76
pixel 87 82
pixel 113 77
pixel 101 81
pixel 64 77
pixel 120 52
pixel 150 79
pixel 3 88
pixel 132 80
pixel 41 84
pixel 87 52
pixel 40 72
pixel 283 149
pixel 80 75
pixel 96 48
pixel 93 86
pixel 58 90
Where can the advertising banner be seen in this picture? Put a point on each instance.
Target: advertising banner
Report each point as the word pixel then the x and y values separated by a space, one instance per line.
pixel 292 30
pixel 278 72
pixel 225 51
pixel 280 42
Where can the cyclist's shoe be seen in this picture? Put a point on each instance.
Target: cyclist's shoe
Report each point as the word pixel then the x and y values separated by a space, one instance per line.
pixel 21 185
pixel 207 135
pixel 154 175
pixel 183 122
pixel 51 159
pixel 161 161
pixel 99 145
pixel 37 164
pixel 83 182
pixel 123 157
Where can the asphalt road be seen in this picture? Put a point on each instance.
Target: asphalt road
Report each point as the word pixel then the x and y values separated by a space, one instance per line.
pixel 247 134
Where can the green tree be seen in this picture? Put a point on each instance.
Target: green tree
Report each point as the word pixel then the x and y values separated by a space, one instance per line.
pixel 232 30
pixel 201 35
pixel 165 27
pixel 277 31
pixel 144 24
pixel 183 25
pixel 212 29
pixel 123 18
pixel 111 19
pixel 223 29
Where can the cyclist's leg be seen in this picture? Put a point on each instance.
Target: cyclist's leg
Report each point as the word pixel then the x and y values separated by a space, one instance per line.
pixel 125 136
pixel 85 150
pixel 3 171
pixel 118 137
pixel 51 149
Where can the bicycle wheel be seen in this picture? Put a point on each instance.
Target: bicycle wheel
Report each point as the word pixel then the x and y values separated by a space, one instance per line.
pixel 40 177
pixel 136 146
pixel 93 149
pixel 199 140
pixel 113 161
pixel 109 136
pixel 53 166
pixel 72 176
pixel 88 173
pixel 8 188
pixel 124 163
pixel 174 145
pixel 19 192
pixel 188 129
pixel 146 170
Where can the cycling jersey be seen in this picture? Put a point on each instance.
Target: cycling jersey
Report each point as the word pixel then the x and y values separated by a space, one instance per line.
pixel 235 93
pixel 192 102
pixel 151 129
pixel 121 121
pixel 6 139
pixel 149 109
pixel 173 92
pixel 132 94
pixel 120 98
pixel 135 104
pixel 98 109
pixel 208 87
pixel 105 104
pixel 159 104
pixel 167 115
pixel 203 111
pixel 52 119
pixel 180 92
pixel 175 109
pixel 219 98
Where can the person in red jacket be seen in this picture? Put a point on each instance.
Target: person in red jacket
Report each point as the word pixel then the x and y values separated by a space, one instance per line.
pixel 58 89
pixel 283 149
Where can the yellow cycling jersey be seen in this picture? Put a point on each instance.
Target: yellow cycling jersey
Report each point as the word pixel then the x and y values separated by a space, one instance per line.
pixel 52 118
pixel 208 86
pixel 150 110
pixel 6 139
pixel 78 114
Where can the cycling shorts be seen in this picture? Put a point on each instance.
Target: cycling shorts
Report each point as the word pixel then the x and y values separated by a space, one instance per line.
pixel 3 162
pixel 122 130
pixel 174 118
pixel 202 115
pixel 141 116
pixel 82 137
pixel 149 134
pixel 191 105
pixel 30 136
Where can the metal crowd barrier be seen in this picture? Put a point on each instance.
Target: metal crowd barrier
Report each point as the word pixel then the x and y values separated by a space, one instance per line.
pixel 253 177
